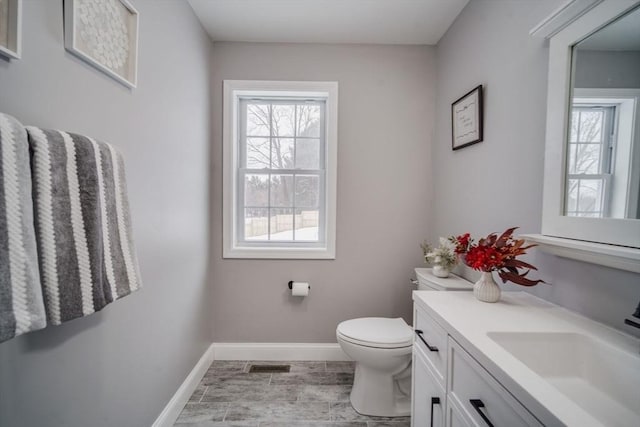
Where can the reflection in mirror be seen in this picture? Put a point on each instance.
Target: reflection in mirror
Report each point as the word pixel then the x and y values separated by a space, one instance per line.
pixel 603 147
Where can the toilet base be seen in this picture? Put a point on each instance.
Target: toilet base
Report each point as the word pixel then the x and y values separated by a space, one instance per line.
pixel 382 394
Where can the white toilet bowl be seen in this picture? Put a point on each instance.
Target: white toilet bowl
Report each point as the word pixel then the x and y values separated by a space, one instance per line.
pixel 381 348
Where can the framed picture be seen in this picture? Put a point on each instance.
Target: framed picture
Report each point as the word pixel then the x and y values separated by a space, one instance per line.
pixel 466 119
pixel 11 28
pixel 104 33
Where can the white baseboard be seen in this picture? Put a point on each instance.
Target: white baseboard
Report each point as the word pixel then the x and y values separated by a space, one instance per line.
pixel 170 413
pixel 279 351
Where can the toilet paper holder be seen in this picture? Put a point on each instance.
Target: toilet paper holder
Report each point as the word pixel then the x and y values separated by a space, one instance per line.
pixel 291 284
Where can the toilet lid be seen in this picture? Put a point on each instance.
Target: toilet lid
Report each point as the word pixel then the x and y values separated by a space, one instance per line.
pixel 377 331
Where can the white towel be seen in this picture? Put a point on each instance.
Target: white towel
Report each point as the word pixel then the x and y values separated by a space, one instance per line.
pixel 21 305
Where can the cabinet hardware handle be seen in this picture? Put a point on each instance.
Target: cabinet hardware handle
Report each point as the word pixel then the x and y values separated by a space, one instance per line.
pixel 430 347
pixel 477 404
pixel 631 323
pixel 434 401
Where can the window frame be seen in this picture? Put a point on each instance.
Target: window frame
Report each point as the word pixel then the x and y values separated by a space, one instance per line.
pixel 233 245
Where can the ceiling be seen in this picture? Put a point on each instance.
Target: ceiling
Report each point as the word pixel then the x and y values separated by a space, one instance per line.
pixel 328 21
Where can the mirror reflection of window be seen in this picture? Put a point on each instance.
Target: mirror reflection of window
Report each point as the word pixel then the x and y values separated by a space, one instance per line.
pixel 603 139
pixel 589 161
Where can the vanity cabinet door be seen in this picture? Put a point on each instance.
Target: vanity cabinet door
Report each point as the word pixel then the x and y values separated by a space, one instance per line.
pixel 455 417
pixel 484 401
pixel 428 395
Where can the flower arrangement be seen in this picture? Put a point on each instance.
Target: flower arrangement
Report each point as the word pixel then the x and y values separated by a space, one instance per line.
pixel 444 256
pixel 497 253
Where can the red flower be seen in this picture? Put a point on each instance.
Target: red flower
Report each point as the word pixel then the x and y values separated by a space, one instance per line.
pixel 462 243
pixel 494 253
pixel 484 258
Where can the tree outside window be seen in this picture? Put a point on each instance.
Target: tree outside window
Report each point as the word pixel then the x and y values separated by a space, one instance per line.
pixel 282 169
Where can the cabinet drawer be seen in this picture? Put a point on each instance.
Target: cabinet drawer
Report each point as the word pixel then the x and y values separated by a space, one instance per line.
pixel 428 398
pixel 482 399
pixel 431 338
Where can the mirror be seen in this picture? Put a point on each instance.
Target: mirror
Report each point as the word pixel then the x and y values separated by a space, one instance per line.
pixel 592 145
pixel 602 150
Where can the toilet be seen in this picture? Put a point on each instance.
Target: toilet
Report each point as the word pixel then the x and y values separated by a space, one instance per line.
pixel 381 348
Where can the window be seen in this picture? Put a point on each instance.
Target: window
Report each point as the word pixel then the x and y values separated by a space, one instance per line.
pixel 590 160
pixel 600 181
pixel 280 142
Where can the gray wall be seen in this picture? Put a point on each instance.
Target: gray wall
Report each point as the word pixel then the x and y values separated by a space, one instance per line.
pixel 385 125
pixel 498 183
pixel 607 69
pixel 121 366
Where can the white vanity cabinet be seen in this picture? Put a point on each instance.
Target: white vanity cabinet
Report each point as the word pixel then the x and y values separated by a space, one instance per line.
pixel 450 388
pixel 522 361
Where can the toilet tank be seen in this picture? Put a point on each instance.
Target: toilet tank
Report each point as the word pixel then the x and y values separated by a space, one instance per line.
pixel 428 282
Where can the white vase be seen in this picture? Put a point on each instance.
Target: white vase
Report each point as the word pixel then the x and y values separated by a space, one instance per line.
pixel 440 271
pixel 486 289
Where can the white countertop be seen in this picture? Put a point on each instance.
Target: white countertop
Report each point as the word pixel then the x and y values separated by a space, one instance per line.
pixel 468 321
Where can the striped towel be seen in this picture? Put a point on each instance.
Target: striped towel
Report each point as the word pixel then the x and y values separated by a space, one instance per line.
pixel 83 227
pixel 21 308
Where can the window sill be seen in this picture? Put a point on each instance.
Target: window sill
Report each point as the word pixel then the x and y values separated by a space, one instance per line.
pixel 619 257
pixel 279 253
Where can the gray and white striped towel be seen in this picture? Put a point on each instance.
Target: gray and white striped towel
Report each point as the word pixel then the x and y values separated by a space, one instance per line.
pixel 21 308
pixel 83 227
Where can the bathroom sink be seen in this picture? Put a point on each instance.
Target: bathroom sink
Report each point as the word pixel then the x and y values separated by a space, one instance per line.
pixel 600 378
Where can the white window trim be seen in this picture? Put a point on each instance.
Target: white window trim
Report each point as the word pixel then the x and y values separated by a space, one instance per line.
pixel 232 90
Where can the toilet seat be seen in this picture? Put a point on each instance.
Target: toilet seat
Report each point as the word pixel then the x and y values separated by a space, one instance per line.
pixel 376 332
pixel 374 345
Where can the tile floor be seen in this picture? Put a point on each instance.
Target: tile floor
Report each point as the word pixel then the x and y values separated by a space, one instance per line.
pixel 312 394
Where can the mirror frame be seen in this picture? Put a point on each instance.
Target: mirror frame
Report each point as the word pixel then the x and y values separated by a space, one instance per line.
pixel 611 231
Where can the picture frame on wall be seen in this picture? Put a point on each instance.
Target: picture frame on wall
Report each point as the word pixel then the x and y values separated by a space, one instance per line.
pixel 466 119
pixel 11 28
pixel 104 33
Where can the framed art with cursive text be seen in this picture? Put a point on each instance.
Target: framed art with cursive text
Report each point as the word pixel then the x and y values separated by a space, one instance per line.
pixel 466 119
